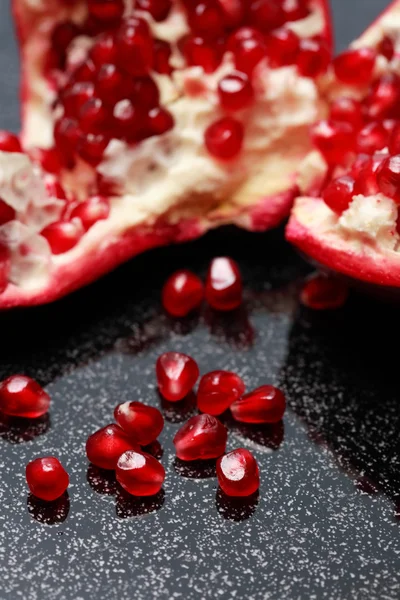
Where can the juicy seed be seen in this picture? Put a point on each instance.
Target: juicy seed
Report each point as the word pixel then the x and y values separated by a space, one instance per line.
pixel 128 121
pixel 176 374
pixel 201 438
pixel 104 51
pixel 366 182
pixel 372 137
pixel 91 148
pixel 46 478
pixel 21 396
pixel 76 96
pixel 248 47
pixel 9 142
pixel 265 14
pixel 334 140
pixel 224 287
pixel 95 209
pixel 224 138
pixel 339 193
pixel 159 9
pixel 282 47
pixel 160 121
pixel 135 47
pixel 313 58
pixel 139 473
pixel 145 92
pixel 93 116
pixel 182 293
pixel 386 47
pixel 266 404
pixel 199 52
pixel 66 137
pixel 355 67
pixel 106 10
pixel 142 423
pixel 162 55
pixel 7 212
pixel 206 18
pixel 394 141
pixel 235 91
pixel 324 293
pixel 293 10
pixel 62 36
pixel 105 446
pixel 63 235
pixel 347 110
pixel 238 473
pixel 383 100
pixel 110 84
pixel 388 177
pixel 218 390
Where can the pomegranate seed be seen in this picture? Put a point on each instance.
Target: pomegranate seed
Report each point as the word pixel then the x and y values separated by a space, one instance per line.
pixel 313 58
pixel 93 116
pixel 182 293
pixel 91 148
pixel 110 84
pixel 359 163
pixel 128 121
pixel 75 97
pixel 9 142
pixel 206 19
pixel 162 55
pixel 142 423
pixel 176 375
pixel 224 285
pixel 54 188
pixel 4 268
pixel 160 121
pixel 145 92
pixel 266 404
pixel 63 235
pixel 334 140
pixel 140 474
pixel 282 47
pixel 66 137
pixel 106 10
pixel 339 193
pixel 63 34
pixel 198 52
pixel 388 177
pixel 372 137
pixel 159 9
pixel 104 51
pixel 347 110
pixel 217 390
pixel 394 142
pixel 105 446
pixel 383 100
pixel 248 47
pixel 135 47
pixel 294 10
pixel 86 72
pixel 21 396
pixel 7 213
pixel 233 12
pixel 366 182
pixel 238 473
pixel 46 478
pixel 48 158
pixel 224 138
pixel 95 209
pixel 202 437
pixel 355 67
pixel 266 14
pixel 386 48
pixel 323 293
pixel 235 91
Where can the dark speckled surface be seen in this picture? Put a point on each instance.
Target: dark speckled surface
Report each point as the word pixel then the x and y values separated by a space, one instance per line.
pixel 325 523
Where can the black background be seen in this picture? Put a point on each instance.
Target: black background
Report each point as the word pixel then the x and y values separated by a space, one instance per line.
pixel 325 524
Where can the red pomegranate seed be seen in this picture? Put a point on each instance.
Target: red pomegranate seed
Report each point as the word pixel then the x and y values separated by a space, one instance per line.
pixel 372 137
pixel 265 14
pixel 135 47
pixel 182 293
pixel 347 110
pixel 217 390
pixel 366 182
pixel 110 84
pixel 63 34
pixel 48 158
pixel 139 473
pixel 266 404
pixel 86 72
pixel 282 47
pixel 104 51
pixel 313 58
pixel 46 478
pixel 201 437
pixel 199 52
pixel 238 473
pixel 93 116
pixel 21 396
pixel 383 100
pixel 9 142
pixel 4 268
pixel 359 163
pixel 394 141
pixel 142 423
pixel 388 177
pixel 224 138
pixel 66 137
pixel 324 293
pixel 54 188
pixel 91 148
pixel 89 212
pixel 386 47
pixel 75 97
pixel 162 55
pixel 233 11
pixel 105 446
pixel 106 10
pixel 355 66
pixel 334 140
pixel 159 9
pixel 145 92
pixel 176 375
pixel 339 193
pixel 7 213
pixel 206 18
pixel 63 235
pixel 128 121
pixel 224 287
pixel 235 91
pixel 159 121
pixel 294 10
pixel 248 47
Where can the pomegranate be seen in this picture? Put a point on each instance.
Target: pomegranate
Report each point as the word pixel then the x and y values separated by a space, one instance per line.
pixel 176 375
pixel 140 474
pixel 238 473
pixel 46 478
pixel 182 293
pixel 350 222
pixel 224 284
pixel 21 396
pixel 157 119
pixel 202 437
pixel 105 446
pixel 323 293
pixel 142 423
pixel 266 404
pixel 217 390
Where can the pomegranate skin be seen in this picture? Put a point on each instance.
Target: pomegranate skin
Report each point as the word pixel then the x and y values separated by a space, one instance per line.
pixel 141 422
pixel 176 375
pixel 21 396
pixel 217 390
pixel 182 293
pixel 202 437
pixel 139 473
pixel 266 404
pixel 224 286
pixel 238 473
pixel 105 446
pixel 46 478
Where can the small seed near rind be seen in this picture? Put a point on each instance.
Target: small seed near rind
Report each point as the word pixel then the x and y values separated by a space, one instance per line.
pixel 338 194
pixel 46 478
pixel 238 474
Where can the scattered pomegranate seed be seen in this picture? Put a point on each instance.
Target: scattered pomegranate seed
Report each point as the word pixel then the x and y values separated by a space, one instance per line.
pixel 160 121
pixel 176 375
pixel 386 47
pixel 383 100
pixel 105 446
pixel 348 110
pixel 248 47
pixel 141 422
pixel 224 285
pixel 21 396
pixel 217 390
pixel 206 18
pixel 235 91
pixel 95 209
pixel 339 193
pixel 200 52
pixel 46 478
pixel 140 474
pixel 282 47
pixel 266 14
pixel 266 404
pixel 324 293
pixel 106 10
pixel 63 235
pixel 159 9
pixel 162 55
pixel 202 437
pixel 238 473
pixel 313 58
pixel 135 47
pixel 355 67
pixel 9 142
pixel 224 138
pixel 393 145
pixel 182 293
pixel 7 213
pixel 334 140
pixel 372 137
pixel 388 177
pixel 4 268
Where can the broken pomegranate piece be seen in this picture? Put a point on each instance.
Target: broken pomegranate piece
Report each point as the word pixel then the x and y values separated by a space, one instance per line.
pixel 266 404
pixel 21 396
pixel 202 437
pixel 217 390
pixel 139 473
pixel 105 446
pixel 176 375
pixel 238 473
pixel 142 423
pixel 180 116
pixel 46 478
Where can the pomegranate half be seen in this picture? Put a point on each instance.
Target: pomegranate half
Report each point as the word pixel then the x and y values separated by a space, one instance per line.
pixel 147 122
pixel 350 222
